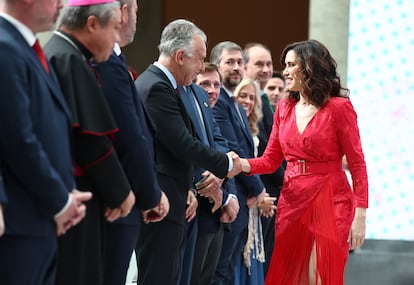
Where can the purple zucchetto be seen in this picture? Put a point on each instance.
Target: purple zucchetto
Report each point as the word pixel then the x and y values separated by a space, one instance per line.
pixel 72 3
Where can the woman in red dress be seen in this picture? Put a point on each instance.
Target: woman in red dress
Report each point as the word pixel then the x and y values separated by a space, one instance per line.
pixel 319 216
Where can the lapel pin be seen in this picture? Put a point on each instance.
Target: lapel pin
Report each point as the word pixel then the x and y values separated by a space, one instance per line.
pixel 205 104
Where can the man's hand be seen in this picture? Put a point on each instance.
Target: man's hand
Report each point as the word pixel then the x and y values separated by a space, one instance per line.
pixel 254 201
pixel 210 187
pixel 230 211
pixel 157 213
pixel 237 166
pixel 208 184
pixel 74 213
pixel 127 205
pixel 217 200
pixel 2 227
pixel 192 205
pixel 123 210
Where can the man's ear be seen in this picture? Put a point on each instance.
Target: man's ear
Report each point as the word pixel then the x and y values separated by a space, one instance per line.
pixel 124 14
pixel 179 56
pixel 92 23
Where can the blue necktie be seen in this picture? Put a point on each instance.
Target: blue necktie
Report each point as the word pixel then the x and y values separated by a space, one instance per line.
pixel 198 115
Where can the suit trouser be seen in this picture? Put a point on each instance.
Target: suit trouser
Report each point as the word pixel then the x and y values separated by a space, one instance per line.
pixel 120 241
pixel 158 253
pixel 187 252
pixel 233 244
pixel 268 225
pixel 206 257
pixel 28 260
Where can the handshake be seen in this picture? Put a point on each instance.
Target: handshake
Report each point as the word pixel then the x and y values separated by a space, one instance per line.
pixel 239 164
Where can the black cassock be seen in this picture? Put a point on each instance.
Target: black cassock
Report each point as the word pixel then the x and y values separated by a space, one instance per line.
pixel 96 164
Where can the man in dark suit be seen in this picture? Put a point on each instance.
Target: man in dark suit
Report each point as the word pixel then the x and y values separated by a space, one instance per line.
pixel 182 52
pixel 205 231
pixel 135 147
pixel 235 128
pixel 35 151
pixel 88 33
pixel 211 226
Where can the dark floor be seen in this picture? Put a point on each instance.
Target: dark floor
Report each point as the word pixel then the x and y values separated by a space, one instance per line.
pixel 381 262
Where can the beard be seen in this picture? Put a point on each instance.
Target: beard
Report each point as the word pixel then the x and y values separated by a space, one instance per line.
pixel 231 83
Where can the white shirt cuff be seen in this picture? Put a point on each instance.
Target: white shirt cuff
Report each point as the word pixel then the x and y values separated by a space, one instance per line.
pixel 228 199
pixel 230 162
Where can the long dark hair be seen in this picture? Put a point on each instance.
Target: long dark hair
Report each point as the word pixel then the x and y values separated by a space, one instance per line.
pixel 319 71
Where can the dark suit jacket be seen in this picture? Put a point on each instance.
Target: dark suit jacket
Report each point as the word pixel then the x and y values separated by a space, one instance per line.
pixel 35 146
pixel 240 141
pixel 177 149
pixel 208 222
pixel 134 143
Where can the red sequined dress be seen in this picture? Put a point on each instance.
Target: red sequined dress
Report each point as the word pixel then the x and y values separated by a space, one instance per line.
pixel 316 206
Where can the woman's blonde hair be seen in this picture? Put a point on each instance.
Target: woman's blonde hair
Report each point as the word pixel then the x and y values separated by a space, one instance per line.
pixel 256 115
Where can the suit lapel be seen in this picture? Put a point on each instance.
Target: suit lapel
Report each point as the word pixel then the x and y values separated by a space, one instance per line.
pixel 185 98
pixel 205 110
pixel 246 129
pixel 33 60
pixel 50 79
pixel 187 120
pixel 174 93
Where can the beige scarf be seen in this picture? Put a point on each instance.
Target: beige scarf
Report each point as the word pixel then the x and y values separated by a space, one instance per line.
pixel 254 239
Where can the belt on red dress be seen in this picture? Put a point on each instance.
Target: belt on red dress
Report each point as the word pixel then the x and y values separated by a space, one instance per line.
pixel 302 166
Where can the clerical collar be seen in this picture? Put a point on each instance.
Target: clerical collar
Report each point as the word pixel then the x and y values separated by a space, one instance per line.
pixel 117 49
pixel 85 52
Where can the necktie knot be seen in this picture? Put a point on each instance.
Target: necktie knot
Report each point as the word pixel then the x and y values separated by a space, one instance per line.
pixel 39 52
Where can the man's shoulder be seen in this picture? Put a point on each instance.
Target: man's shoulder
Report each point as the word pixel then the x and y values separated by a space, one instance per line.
pixel 150 75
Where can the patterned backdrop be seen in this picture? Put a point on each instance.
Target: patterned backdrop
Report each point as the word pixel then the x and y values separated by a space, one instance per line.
pixel 381 80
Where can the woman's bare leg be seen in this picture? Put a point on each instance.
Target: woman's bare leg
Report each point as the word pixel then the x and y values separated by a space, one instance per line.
pixel 314 277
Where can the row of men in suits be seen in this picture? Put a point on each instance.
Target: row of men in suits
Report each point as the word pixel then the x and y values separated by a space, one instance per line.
pixel 76 116
pixel 57 124
pixel 161 150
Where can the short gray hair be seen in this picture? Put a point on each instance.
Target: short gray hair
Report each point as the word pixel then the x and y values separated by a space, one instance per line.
pixel 177 35
pixel 75 17
pixel 216 52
